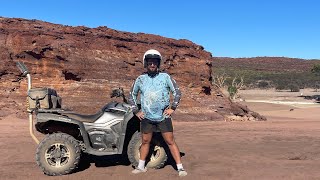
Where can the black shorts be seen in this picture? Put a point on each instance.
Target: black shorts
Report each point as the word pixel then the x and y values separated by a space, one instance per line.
pixel 148 126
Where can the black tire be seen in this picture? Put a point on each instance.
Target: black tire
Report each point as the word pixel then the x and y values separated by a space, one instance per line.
pixel 58 154
pixel 157 156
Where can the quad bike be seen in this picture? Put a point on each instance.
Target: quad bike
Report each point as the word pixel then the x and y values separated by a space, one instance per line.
pixel 112 130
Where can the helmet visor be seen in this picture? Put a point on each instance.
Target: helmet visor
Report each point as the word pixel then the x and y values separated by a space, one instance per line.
pixel 152 56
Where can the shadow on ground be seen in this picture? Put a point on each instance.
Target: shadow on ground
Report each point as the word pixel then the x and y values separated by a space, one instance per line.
pixel 115 160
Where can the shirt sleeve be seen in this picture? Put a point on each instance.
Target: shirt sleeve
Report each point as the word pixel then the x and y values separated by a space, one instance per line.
pixel 175 92
pixel 133 96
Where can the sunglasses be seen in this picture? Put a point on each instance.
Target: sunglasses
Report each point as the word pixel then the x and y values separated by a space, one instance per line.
pixel 152 63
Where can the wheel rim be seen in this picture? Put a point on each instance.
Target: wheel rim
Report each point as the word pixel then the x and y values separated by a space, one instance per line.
pixel 155 154
pixel 57 155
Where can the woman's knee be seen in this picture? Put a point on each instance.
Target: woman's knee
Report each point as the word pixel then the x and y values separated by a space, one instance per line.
pixel 146 140
pixel 170 142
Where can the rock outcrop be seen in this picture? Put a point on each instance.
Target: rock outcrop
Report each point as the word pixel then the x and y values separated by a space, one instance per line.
pixel 84 65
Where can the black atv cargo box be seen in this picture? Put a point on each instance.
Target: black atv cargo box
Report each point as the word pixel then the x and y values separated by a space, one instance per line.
pixel 45 97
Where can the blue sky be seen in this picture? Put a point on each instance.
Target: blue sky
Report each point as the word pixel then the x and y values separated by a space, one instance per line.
pixel 230 28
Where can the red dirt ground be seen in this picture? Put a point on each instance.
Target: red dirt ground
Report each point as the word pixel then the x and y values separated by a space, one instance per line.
pixel 284 147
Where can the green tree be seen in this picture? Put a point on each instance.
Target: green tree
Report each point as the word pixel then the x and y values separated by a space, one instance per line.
pixel 234 88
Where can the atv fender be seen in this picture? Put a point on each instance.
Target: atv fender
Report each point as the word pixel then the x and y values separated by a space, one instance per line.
pixel 47 118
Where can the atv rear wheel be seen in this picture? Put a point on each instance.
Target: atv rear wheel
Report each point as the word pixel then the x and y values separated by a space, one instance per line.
pixel 58 154
pixel 157 155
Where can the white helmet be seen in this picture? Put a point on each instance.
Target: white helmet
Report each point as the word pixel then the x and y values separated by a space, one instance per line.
pixel 151 54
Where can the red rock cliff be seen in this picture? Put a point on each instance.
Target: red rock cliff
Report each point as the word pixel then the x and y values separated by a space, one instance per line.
pixel 84 64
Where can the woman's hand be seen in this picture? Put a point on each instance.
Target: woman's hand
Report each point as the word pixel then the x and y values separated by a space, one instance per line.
pixel 168 112
pixel 140 115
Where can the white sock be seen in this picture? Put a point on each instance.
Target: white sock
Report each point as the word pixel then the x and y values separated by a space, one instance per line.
pixel 179 166
pixel 141 164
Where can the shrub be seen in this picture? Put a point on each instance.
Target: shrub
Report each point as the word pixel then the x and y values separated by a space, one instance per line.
pixel 316 86
pixel 294 88
pixel 277 79
pixel 263 84
pixel 232 90
pixel 316 69
pixel 280 87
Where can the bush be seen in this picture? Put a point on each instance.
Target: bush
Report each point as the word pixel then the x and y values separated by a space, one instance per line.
pixel 232 90
pixel 316 69
pixel 316 86
pixel 263 84
pixel 294 88
pixel 280 87
pixel 277 79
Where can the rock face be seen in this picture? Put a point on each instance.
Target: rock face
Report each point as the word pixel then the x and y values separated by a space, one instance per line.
pixel 85 64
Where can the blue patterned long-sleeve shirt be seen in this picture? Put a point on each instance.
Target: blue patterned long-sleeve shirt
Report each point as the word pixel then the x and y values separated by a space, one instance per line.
pixel 154 95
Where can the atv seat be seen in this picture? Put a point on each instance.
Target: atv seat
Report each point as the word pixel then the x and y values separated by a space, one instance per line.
pixel 83 118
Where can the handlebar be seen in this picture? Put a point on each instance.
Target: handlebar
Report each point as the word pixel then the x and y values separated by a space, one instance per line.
pixel 119 93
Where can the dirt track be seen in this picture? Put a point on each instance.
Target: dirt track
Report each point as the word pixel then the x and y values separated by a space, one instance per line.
pixel 280 148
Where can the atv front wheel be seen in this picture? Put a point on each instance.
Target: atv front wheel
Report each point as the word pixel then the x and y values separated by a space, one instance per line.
pixel 157 155
pixel 58 154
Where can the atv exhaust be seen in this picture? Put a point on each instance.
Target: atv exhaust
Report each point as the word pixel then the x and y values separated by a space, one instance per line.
pixel 25 73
